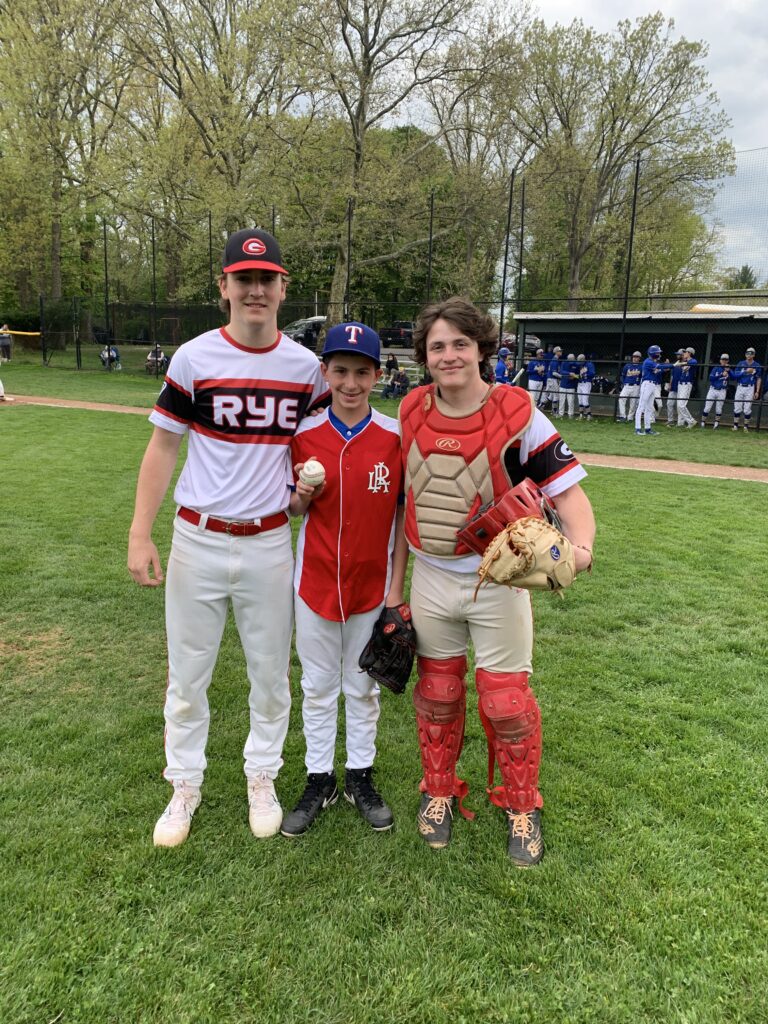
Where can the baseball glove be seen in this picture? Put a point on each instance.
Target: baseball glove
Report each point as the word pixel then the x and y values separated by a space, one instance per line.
pixel 529 553
pixel 388 655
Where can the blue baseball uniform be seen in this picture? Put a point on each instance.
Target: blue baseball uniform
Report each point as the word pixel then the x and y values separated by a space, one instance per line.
pixel 719 377
pixel 747 375
pixel 686 374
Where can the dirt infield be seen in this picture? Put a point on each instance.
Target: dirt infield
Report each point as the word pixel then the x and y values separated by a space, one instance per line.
pixel 702 469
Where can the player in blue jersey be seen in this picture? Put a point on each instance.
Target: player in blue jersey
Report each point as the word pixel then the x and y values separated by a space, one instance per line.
pixel 687 375
pixel 552 384
pixel 719 378
pixel 584 385
pixel 650 380
pixel 501 365
pixel 536 369
pixel 673 384
pixel 630 387
pixel 748 376
pixel 569 376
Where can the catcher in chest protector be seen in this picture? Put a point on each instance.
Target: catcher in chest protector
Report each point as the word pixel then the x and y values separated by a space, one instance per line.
pixel 492 490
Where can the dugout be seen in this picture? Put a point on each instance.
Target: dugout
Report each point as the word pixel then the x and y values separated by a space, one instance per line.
pixel 710 330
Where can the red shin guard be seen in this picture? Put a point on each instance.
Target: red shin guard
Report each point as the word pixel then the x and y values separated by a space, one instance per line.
pixel 512 722
pixel 440 701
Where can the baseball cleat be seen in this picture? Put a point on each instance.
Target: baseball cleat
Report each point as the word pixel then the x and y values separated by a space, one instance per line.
pixel 526 843
pixel 435 819
pixel 654 433
pixel 746 430
pixel 360 791
pixel 639 431
pixel 320 792
pixel 734 427
pixel 715 426
pixel 264 811
pixel 173 825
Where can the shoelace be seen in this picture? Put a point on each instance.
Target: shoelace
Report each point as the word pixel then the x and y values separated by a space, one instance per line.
pixel 522 824
pixel 436 809
pixel 182 803
pixel 364 788
pixel 261 793
pixel 314 789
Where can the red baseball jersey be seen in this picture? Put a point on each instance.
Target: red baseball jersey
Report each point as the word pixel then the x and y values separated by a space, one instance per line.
pixel 241 407
pixel 344 550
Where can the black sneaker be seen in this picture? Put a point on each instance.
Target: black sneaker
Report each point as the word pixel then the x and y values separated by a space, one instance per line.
pixel 435 819
pixel 362 794
pixel 526 843
pixel 319 793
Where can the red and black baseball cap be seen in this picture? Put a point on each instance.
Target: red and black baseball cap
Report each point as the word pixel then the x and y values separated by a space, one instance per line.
pixel 252 249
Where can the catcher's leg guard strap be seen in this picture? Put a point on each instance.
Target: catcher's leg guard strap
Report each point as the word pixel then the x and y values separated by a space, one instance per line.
pixel 512 722
pixel 440 701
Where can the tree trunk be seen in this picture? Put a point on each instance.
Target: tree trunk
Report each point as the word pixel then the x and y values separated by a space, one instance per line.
pixel 56 241
pixel 335 310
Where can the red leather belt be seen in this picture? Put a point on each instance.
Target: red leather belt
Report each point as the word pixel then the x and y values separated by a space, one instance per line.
pixel 233 528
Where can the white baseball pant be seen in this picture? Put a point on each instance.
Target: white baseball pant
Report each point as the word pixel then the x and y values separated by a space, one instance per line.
pixel 671 406
pixel 207 571
pixel 567 401
pixel 631 392
pixel 584 390
pixel 536 387
pixel 329 653
pixel 684 417
pixel 551 391
pixel 715 396
pixel 446 616
pixel 645 406
pixel 742 402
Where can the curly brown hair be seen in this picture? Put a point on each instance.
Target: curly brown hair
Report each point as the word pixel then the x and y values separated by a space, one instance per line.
pixel 471 321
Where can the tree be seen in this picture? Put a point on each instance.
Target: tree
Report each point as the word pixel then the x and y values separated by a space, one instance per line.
pixel 745 277
pixel 592 104
pixel 376 54
pixel 62 79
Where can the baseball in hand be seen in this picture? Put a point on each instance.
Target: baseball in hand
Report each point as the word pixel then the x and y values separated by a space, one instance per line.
pixel 312 473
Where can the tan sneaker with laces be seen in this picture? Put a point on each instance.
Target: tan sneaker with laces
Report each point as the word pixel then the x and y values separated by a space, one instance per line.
pixel 435 819
pixel 173 825
pixel 265 815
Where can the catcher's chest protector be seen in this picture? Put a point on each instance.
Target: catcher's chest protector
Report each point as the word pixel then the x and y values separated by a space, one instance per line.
pixel 455 465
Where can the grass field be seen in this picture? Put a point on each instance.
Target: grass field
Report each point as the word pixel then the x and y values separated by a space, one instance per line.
pixel 650 904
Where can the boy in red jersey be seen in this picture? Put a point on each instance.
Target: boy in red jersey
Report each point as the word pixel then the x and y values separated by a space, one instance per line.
pixel 350 560
pixel 238 393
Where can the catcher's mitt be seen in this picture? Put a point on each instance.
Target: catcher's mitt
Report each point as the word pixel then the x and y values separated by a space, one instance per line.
pixel 529 553
pixel 388 655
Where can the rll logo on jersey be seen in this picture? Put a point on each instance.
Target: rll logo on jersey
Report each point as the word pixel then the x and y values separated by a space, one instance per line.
pixel 378 478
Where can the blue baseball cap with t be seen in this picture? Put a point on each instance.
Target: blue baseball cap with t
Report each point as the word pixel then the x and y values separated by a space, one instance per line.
pixel 353 337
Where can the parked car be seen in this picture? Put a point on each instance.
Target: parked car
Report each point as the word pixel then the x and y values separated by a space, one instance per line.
pixel 400 333
pixel 305 331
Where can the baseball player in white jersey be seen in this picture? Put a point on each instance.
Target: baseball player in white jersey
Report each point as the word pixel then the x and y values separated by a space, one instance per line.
pixel 351 559
pixel 238 393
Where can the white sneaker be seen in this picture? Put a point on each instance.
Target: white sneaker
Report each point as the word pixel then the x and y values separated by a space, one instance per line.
pixel 265 815
pixel 172 826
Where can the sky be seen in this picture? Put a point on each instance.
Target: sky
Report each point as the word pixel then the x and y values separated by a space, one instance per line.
pixel 737 36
